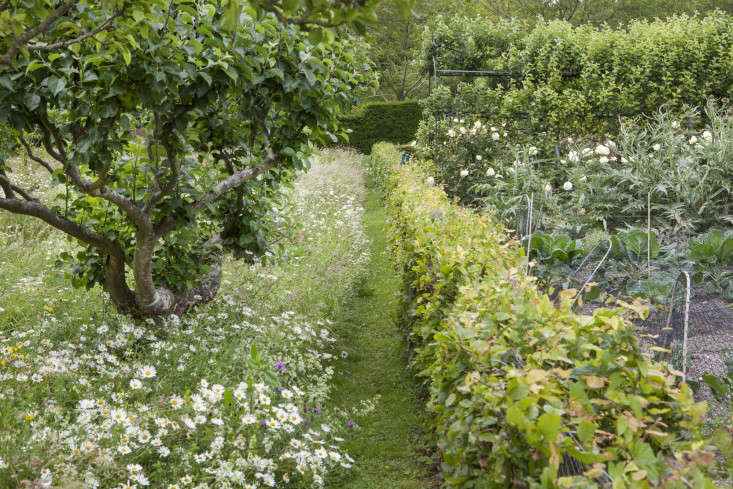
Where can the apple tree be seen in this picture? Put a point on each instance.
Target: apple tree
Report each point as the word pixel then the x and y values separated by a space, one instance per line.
pixel 168 126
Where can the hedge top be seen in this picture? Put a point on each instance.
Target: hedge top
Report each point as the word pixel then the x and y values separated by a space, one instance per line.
pixel 677 62
pixel 395 122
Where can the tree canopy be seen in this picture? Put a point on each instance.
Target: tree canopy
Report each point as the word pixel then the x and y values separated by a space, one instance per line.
pixel 171 124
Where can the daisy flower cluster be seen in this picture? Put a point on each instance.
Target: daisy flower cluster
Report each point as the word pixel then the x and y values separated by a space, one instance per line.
pixel 234 394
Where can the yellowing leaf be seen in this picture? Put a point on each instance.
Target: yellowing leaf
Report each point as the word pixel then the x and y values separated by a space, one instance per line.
pixel 536 375
pixel 595 382
pixel 637 476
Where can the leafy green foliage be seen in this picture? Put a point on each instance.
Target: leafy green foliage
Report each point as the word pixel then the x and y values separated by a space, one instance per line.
pixel 555 255
pixel 636 245
pixel 172 131
pixel 515 383
pixel 715 248
pixel 677 62
pixel 712 255
pixel 370 123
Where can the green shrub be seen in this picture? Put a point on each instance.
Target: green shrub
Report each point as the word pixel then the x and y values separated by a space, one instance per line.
pixel 677 62
pixel 516 384
pixel 395 122
pixel 377 164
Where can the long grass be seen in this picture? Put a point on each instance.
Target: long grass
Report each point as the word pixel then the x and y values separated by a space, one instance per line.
pixel 269 327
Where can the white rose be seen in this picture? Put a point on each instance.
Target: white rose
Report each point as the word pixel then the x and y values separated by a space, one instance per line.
pixel 479 158
pixel 455 120
pixel 707 136
pixel 573 156
pixel 567 186
pixel 464 173
pixel 693 139
pixel 602 150
pixel 451 133
pixel 604 160
pixel 533 151
pixel 495 136
pixel 657 147
pixel 463 130
pixel 490 172
pixel 430 181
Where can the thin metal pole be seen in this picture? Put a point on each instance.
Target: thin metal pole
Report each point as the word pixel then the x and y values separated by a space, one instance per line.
pixel 435 74
pixel 649 234
pixel 687 318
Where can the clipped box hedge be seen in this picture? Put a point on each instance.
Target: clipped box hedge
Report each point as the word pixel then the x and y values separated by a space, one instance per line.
pixel 517 384
pixel 394 122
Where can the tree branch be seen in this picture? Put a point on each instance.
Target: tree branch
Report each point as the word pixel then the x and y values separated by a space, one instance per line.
pixel 33 157
pixel 94 188
pixel 6 185
pixel 65 44
pixel 172 183
pixel 233 181
pixel 86 235
pixel 23 193
pixel 19 42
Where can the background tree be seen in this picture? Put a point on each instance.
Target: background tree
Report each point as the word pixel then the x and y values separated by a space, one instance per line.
pixel 394 38
pixel 171 124
pixel 613 12
pixel 395 42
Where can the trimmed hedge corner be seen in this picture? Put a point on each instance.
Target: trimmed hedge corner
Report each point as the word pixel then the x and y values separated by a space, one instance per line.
pixel 395 122
pixel 518 385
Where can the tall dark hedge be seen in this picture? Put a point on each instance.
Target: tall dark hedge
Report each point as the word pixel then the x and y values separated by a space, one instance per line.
pixel 394 122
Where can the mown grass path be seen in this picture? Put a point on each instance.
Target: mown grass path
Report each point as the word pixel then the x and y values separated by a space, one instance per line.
pixel 387 444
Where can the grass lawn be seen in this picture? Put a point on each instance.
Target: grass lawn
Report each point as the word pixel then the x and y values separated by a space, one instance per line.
pixel 388 446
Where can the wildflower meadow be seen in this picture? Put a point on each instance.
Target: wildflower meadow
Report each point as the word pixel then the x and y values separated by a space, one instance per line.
pixel 366 244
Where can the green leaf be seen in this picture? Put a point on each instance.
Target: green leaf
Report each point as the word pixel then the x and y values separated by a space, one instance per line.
pixel 57 85
pixel 309 76
pixel 720 388
pixel 232 73
pixel 586 431
pixel 125 54
pixel 550 425
pixel 230 20
pixel 31 100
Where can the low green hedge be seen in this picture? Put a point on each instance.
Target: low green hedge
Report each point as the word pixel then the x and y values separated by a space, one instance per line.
pixel 516 384
pixel 395 122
